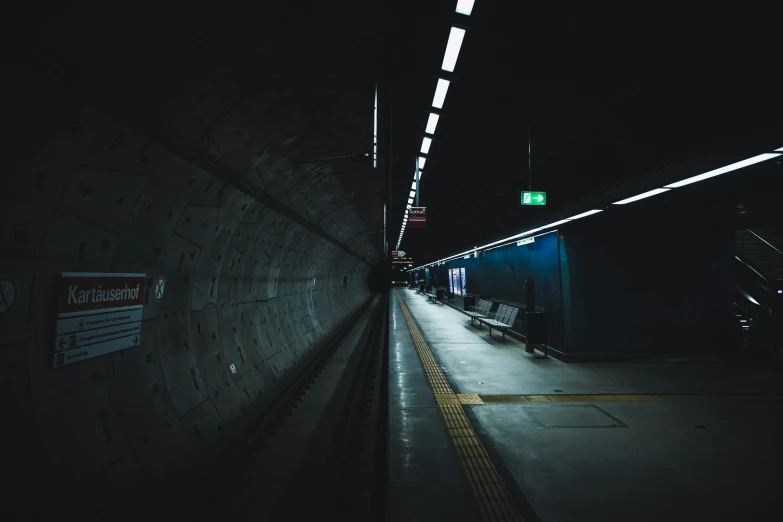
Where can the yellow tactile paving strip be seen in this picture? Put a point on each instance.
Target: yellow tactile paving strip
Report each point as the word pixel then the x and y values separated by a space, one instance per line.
pixel 662 397
pixel 482 479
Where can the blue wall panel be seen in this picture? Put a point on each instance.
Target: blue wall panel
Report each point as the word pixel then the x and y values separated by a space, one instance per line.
pixel 500 274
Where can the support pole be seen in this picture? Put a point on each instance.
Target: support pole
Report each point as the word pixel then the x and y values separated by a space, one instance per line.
pixel 418 180
pixel 529 162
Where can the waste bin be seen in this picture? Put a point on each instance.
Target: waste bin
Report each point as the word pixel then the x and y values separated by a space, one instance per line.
pixel 536 329
pixel 469 302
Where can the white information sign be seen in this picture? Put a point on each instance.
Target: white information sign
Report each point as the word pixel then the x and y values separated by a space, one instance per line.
pixel 97 314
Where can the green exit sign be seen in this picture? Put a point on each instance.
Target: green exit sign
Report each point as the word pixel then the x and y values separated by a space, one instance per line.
pixel 533 198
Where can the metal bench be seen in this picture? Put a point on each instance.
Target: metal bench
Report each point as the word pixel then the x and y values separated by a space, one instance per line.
pixel 432 297
pixel 480 311
pixel 503 320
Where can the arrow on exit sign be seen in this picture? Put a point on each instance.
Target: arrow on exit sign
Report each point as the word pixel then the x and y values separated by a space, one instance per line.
pixel 533 198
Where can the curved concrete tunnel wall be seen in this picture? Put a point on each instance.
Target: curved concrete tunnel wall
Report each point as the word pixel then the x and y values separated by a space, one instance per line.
pixel 244 286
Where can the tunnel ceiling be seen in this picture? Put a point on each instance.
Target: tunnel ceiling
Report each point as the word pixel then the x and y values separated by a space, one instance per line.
pixel 251 91
pixel 608 96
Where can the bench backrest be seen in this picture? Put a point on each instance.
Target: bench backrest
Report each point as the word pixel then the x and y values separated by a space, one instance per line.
pixel 512 316
pixel 503 311
pixel 484 306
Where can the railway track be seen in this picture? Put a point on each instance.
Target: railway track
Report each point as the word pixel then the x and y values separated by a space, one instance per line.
pixel 320 453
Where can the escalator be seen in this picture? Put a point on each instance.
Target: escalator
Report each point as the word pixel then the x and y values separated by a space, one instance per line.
pixel 758 295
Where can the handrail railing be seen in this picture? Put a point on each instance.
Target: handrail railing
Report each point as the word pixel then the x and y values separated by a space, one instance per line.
pixel 750 267
pixel 765 241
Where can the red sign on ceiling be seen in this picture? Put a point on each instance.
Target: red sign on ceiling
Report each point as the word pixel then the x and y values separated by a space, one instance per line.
pixel 417 217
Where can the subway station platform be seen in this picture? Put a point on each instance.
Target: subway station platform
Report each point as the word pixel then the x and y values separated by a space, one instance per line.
pixel 481 430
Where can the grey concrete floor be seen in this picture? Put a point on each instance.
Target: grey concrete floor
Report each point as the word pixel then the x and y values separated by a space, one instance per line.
pixel 619 460
pixel 425 481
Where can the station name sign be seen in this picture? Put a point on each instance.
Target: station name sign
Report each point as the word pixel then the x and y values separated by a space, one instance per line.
pixel 417 217
pixel 97 314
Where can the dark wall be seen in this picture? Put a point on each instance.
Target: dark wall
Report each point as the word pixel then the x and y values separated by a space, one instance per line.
pixel 647 282
pixel 644 280
pixel 249 293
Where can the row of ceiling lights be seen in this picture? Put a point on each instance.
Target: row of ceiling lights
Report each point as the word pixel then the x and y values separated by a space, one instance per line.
pixel 687 181
pixel 453 46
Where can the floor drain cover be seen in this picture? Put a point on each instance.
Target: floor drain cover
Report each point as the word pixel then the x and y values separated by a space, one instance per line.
pixel 571 416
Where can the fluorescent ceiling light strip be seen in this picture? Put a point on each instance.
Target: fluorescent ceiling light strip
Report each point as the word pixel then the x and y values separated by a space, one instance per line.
pixel 425 145
pixel 508 239
pixel 728 168
pixel 410 201
pixel 585 214
pixel 465 6
pixel 440 93
pixel 514 242
pixel 422 161
pixel 723 170
pixel 452 49
pixel 647 194
pixel 432 122
pixel 409 206
pixel 413 193
pixel 523 234
pixel 413 186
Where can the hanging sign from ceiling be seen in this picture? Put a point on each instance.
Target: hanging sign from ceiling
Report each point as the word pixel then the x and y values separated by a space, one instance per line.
pixel 533 198
pixel 417 217
pixel 97 314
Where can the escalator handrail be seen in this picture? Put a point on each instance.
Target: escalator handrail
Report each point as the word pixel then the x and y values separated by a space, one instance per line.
pixel 770 245
pixel 738 258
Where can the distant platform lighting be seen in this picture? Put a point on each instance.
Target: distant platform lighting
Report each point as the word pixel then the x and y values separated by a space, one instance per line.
pixel 440 93
pixel 432 122
pixel 425 145
pixel 465 6
pixel 585 214
pixel 643 195
pixel 452 49
pixel 724 170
